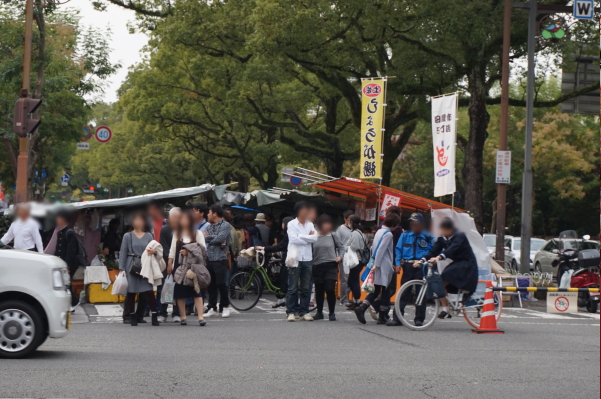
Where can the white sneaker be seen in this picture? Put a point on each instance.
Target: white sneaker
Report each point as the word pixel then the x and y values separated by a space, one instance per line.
pixel 211 313
pixel 161 319
pixel 177 319
pixel 307 317
pixel 225 312
pixel 291 317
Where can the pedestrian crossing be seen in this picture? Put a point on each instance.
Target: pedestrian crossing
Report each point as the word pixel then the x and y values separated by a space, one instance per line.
pixel 112 313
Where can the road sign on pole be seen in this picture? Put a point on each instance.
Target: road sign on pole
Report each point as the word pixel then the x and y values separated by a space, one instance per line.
pixel 65 180
pixel 295 181
pixel 584 9
pixel 103 134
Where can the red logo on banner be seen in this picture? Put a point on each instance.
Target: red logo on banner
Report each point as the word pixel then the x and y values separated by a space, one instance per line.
pixel 372 90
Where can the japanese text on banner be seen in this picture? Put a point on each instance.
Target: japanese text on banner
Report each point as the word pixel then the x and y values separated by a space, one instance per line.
pixel 372 123
pixel 389 200
pixel 444 118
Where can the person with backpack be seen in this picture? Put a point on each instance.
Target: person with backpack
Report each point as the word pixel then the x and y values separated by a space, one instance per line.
pixel 356 242
pixel 67 247
pixel 382 269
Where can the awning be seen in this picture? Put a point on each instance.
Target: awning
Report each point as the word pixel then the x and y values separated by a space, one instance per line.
pixel 361 189
pixel 146 198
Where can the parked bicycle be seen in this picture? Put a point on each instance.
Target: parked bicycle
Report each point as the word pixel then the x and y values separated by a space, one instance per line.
pixel 471 310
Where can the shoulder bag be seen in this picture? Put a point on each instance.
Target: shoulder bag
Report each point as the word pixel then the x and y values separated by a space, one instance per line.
pixel 372 259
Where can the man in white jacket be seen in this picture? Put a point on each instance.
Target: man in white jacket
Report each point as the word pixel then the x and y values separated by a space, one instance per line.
pixel 301 234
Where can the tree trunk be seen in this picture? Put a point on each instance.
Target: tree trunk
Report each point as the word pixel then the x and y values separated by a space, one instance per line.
pixel 473 154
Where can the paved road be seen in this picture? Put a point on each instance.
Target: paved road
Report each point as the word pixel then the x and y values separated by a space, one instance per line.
pixel 259 355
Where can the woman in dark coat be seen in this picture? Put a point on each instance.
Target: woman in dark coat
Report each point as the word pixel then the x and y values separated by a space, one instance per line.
pixel 281 246
pixel 462 273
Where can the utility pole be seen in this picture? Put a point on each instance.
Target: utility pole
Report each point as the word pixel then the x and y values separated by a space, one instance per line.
pixel 502 188
pixel 527 177
pixel 23 159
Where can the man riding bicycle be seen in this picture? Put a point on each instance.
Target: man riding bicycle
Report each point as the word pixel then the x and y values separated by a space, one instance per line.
pixel 411 247
pixel 462 273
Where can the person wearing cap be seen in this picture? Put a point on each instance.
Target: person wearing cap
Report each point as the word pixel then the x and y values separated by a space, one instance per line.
pixel 263 229
pixel 411 247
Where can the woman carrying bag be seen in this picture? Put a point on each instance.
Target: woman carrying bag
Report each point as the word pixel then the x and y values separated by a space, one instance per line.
pixel 130 260
pixel 356 244
pixel 184 248
pixel 327 251
pixel 382 268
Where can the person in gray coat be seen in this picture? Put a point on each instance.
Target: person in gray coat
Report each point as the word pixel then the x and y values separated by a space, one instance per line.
pixel 383 268
pixel 133 246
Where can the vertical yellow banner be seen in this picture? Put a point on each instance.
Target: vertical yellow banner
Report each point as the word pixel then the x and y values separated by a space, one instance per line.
pixel 372 124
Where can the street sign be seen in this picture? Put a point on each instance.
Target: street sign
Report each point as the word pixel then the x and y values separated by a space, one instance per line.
pixel 83 145
pixel 65 178
pixel 88 132
pixel 285 174
pixel 503 171
pixel 44 174
pixel 296 180
pixel 103 134
pixel 562 302
pixel 584 9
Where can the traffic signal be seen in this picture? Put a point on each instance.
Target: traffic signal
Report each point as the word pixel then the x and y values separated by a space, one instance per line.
pixel 22 123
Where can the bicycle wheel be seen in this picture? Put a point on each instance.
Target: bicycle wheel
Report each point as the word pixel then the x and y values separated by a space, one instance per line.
pixel 472 310
pixel 244 290
pixel 413 291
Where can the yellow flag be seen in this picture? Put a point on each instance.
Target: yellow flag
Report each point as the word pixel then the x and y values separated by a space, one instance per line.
pixel 372 126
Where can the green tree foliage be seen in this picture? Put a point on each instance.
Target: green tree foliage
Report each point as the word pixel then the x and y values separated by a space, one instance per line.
pixel 69 62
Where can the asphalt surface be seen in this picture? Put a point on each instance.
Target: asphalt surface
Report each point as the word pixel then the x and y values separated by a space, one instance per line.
pixel 257 354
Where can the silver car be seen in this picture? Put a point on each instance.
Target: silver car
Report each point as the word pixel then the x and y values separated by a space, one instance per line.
pixel 513 251
pixel 544 258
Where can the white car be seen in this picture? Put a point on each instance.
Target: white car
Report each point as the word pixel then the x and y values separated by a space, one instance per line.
pixel 34 301
pixel 513 251
pixel 548 253
pixel 491 243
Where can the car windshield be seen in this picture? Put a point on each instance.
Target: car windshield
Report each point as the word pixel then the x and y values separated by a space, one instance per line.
pixel 490 241
pixel 577 244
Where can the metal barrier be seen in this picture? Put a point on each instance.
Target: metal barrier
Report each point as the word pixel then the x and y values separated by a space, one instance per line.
pixel 543 289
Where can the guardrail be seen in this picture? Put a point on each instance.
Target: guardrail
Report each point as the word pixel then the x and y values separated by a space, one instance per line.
pixel 543 289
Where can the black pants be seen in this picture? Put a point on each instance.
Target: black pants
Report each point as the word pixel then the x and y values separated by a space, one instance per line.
pixel 217 270
pixel 130 302
pixel 353 281
pixel 327 288
pixel 139 311
pixel 371 297
pixel 412 273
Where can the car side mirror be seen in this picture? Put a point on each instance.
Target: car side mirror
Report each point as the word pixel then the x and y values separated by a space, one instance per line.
pixel 555 251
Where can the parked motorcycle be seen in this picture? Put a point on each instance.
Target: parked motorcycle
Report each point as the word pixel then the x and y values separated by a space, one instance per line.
pixel 585 264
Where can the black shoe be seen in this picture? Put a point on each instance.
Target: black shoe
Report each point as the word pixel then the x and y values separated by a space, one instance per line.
pixel 141 320
pixel 277 305
pixel 444 315
pixel 360 312
pixel 332 317
pixel 382 317
pixel 183 322
pixel 394 323
pixel 133 319
pixel 202 323
pixel 147 313
pixel 318 316
pixel 155 319
pixel 419 323
pixel 127 321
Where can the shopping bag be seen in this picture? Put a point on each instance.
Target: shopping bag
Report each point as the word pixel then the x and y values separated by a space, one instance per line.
pixel 349 260
pixel 120 285
pixel 168 291
pixel 292 256
pixel 368 285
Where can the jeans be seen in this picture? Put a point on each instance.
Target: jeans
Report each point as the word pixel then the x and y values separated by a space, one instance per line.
pixel 299 279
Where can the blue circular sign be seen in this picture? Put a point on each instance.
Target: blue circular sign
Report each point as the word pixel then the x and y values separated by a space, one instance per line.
pixel 295 181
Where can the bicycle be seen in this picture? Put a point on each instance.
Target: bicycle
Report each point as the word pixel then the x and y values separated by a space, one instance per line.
pixel 418 289
pixel 246 287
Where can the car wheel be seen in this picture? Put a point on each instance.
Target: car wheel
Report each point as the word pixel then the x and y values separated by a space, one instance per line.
pixel 538 268
pixel 21 329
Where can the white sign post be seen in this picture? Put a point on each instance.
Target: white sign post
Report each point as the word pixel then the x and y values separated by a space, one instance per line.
pixel 584 9
pixel 503 171
pixel 444 123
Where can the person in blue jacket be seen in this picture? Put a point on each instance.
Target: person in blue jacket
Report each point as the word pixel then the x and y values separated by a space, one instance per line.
pixel 411 247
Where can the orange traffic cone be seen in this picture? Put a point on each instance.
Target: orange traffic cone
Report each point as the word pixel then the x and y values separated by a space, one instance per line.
pixel 488 321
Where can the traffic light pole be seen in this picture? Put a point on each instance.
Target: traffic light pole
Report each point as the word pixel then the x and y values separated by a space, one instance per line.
pixel 23 159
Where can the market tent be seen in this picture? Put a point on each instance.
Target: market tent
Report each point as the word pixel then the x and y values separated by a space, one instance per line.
pixel 362 189
pixel 138 200
pixel 284 200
